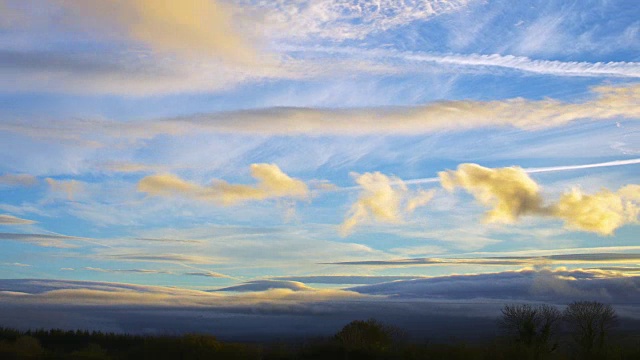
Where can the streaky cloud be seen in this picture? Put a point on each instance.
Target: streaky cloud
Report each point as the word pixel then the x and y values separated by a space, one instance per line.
pixel 134 271
pixel 12 220
pixel 44 240
pixel 630 258
pixel 272 183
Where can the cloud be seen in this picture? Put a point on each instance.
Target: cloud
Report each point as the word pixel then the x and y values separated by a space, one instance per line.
pixel 340 20
pixel 609 102
pixel 383 199
pixel 16 264
pixel 264 285
pixel 44 240
pixel 105 293
pixel 272 183
pixel 523 63
pixel 189 27
pixel 17 180
pixel 210 274
pixel 171 258
pixel 346 279
pixel 557 286
pixel 606 103
pixel 511 193
pixel 12 220
pixel 70 188
pixel 135 271
pixel 561 259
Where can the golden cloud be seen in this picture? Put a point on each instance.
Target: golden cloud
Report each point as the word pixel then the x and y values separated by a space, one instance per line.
pixel 272 183
pixel 511 193
pixel 383 199
pixel 182 27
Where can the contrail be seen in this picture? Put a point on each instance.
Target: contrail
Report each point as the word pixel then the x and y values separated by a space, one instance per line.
pixel 586 166
pixel 527 170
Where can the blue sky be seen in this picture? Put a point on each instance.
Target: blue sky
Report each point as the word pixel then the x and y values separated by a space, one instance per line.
pixel 206 144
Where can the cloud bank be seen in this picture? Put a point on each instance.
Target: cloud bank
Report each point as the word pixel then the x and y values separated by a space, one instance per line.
pixel 272 183
pixel 510 193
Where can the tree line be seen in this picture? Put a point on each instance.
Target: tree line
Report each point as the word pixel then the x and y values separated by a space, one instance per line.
pixel 582 330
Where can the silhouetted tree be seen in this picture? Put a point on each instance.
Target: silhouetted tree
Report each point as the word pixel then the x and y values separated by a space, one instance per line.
pixel 368 336
pixel 590 322
pixel 532 327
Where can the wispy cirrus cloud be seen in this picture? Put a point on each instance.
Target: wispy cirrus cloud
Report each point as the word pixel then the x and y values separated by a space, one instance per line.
pixel 340 20
pixel 272 183
pixel 511 194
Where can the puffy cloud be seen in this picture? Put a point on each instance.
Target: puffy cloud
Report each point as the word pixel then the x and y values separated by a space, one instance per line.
pixel 183 27
pixel 511 193
pixel 602 212
pixel 384 199
pixel 17 180
pixel 272 183
pixel 12 220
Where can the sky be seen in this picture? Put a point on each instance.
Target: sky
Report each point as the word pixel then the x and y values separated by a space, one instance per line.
pixel 306 157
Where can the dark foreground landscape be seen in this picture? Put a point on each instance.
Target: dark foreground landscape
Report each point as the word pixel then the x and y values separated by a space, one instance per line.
pixel 583 330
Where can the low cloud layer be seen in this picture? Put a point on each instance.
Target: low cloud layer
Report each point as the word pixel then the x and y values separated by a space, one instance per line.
pixel 511 194
pixel 556 286
pixel 272 183
pixel 264 285
pixel 383 199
